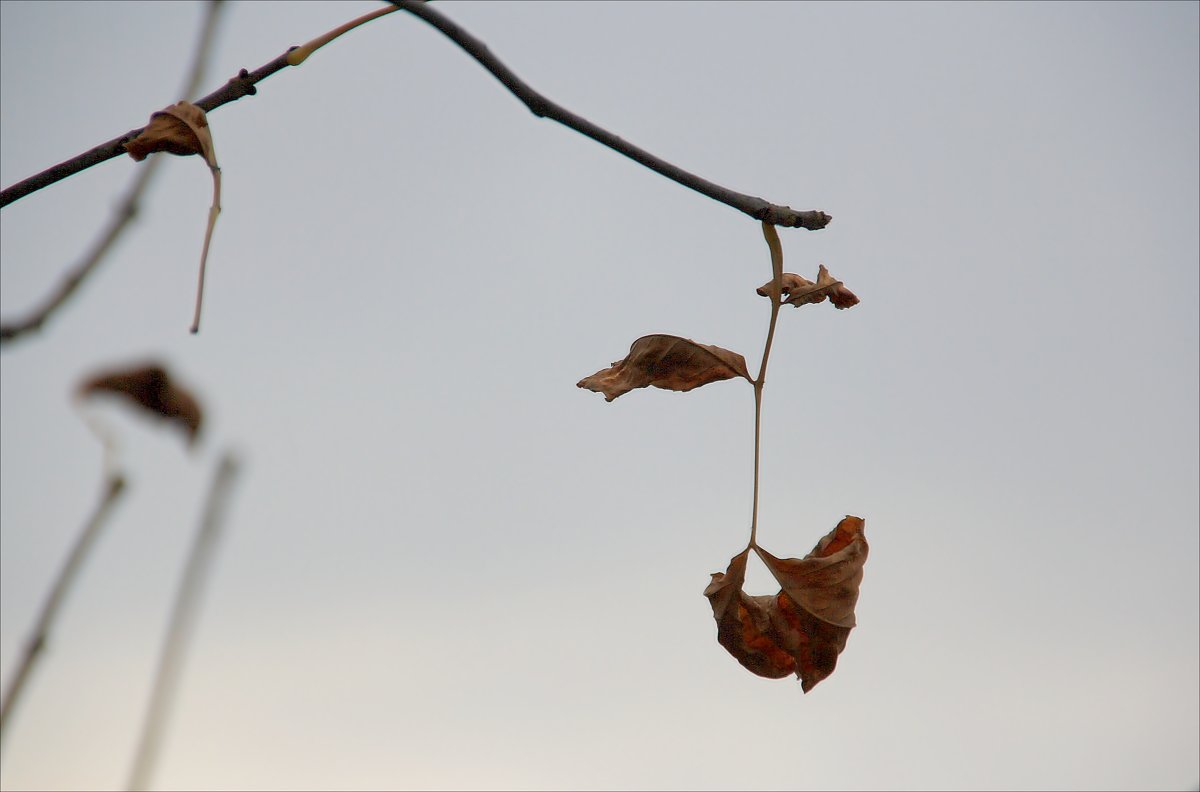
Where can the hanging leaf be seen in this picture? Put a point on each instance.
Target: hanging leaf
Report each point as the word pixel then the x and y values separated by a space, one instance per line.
pixel 183 129
pixel 802 629
pixel 801 291
pixel 151 388
pixel 744 623
pixel 180 129
pixel 668 362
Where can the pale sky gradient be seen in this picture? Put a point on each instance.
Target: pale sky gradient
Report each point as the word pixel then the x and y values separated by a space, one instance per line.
pixel 447 567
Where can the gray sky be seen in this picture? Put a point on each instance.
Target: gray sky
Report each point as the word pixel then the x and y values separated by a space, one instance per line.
pixel 448 567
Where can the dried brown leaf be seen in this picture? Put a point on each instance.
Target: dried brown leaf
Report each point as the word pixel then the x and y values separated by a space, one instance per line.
pixel 668 362
pixel 183 129
pixel 801 291
pixel 180 129
pixel 744 623
pixel 151 387
pixel 804 627
pixel 791 283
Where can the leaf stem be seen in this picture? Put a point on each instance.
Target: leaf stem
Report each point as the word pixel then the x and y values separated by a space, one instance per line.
pixel 776 249
pixel 300 54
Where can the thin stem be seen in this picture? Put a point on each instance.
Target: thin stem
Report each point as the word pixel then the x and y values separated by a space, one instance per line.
pixel 301 53
pixel 213 211
pixel 113 487
pixel 179 630
pixel 776 291
pixel 544 108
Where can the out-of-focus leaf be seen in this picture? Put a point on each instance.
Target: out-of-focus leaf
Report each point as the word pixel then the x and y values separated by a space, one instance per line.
pixel 669 362
pixel 804 627
pixel 151 388
pixel 801 291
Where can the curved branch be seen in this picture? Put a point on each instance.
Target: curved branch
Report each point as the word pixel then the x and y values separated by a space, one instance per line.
pixel 243 85
pixel 542 107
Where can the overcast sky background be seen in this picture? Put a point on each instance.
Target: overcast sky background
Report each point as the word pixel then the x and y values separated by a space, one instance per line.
pixel 445 566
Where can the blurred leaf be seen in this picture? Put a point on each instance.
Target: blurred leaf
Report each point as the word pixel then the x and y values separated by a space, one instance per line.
pixel 668 362
pixel 802 629
pixel 151 388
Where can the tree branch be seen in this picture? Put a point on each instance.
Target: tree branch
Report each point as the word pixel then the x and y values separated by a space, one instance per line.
pixel 234 89
pixel 126 210
pixel 182 623
pixel 542 107
pixel 113 487
pixel 244 85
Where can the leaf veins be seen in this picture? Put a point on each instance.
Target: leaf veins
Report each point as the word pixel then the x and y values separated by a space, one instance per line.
pixel 668 362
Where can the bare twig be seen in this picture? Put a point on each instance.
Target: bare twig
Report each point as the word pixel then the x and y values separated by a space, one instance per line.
pixel 183 616
pixel 126 210
pixel 113 487
pixel 544 108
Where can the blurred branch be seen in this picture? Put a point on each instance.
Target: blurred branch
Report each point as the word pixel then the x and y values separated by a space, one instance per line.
pixel 127 209
pixel 544 108
pixel 113 487
pixel 180 628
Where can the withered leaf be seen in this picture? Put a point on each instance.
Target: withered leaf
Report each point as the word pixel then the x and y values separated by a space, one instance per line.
pixel 668 362
pixel 151 387
pixel 181 128
pixel 801 291
pixel 744 623
pixel 804 627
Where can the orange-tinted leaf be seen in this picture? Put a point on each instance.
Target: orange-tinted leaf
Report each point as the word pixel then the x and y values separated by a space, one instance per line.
pixel 801 291
pixel 179 129
pixel 804 627
pixel 744 625
pixel 825 582
pixel 668 362
pixel 151 387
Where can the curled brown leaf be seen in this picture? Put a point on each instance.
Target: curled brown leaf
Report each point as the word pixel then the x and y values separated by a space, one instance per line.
pixel 180 129
pixel 804 627
pixel 801 291
pixel 669 362
pixel 150 387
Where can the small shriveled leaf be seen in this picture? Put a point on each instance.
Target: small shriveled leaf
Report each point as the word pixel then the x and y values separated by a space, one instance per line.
pixel 804 627
pixel 183 129
pixel 668 362
pixel 801 291
pixel 791 283
pixel 180 129
pixel 151 388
